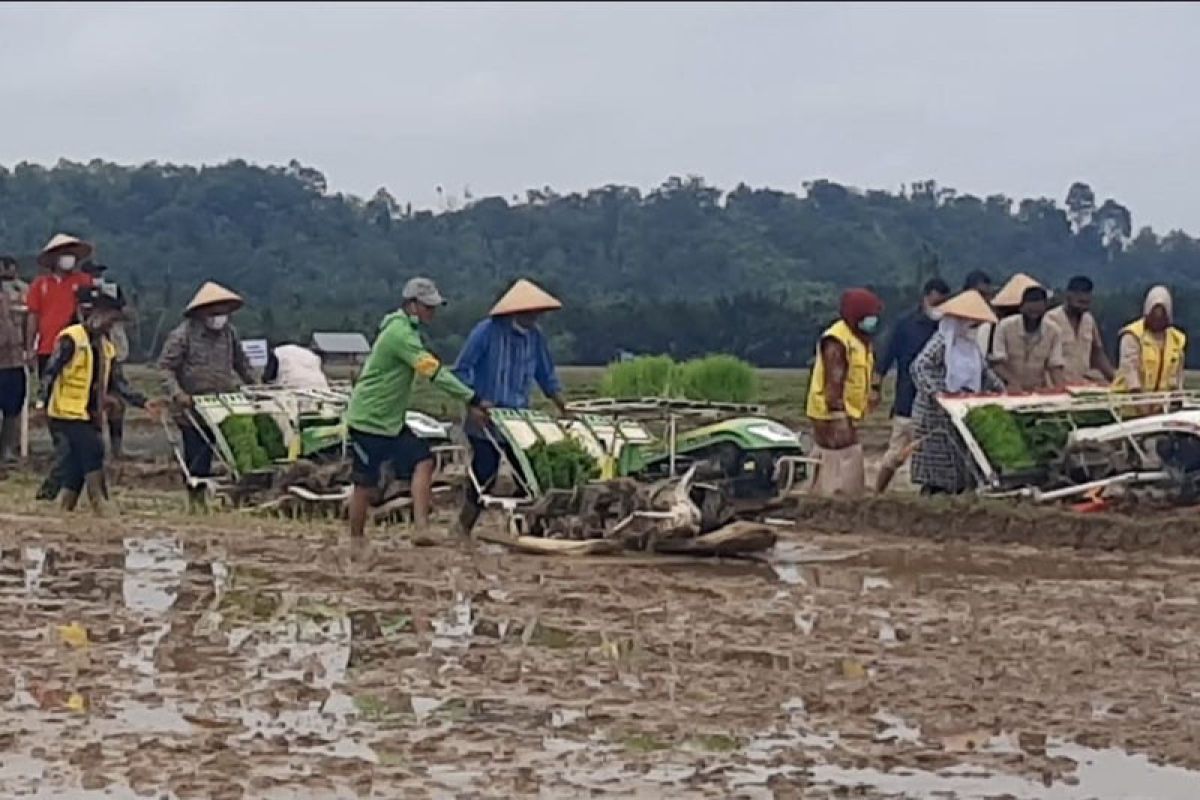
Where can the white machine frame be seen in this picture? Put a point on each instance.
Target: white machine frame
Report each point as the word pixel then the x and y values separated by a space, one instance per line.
pixel 1184 417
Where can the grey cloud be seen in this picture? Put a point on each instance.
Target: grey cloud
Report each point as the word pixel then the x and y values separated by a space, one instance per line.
pixel 1014 98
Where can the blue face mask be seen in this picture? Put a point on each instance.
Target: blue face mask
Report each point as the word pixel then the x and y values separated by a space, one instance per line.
pixel 869 324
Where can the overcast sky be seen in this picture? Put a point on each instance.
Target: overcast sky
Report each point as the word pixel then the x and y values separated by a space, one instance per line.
pixel 1019 99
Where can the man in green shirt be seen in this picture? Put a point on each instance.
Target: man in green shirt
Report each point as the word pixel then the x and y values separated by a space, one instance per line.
pixel 380 401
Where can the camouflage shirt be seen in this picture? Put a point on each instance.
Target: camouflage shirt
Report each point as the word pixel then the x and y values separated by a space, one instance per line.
pixel 197 360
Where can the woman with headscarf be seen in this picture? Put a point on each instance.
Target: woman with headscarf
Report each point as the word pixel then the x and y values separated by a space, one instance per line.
pixel 842 391
pixel 1152 349
pixel 951 363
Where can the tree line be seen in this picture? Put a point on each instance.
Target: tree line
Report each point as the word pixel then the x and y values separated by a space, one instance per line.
pixel 684 269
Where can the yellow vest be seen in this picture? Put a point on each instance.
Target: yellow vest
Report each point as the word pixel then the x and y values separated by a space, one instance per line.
pixel 1160 365
pixel 857 391
pixel 73 386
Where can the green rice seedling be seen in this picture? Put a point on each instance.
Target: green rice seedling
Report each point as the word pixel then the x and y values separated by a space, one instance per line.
pixel 644 376
pixel 717 378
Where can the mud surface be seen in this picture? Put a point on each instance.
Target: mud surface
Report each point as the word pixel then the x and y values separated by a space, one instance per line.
pixel 1129 528
pixel 238 658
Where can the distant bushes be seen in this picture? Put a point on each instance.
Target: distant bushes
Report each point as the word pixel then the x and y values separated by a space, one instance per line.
pixel 715 378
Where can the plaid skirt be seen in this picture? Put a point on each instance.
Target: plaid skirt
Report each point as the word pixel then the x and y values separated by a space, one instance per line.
pixel 940 460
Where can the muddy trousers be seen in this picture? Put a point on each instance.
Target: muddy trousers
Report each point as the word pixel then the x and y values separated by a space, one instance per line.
pixel 54 479
pixel 81 453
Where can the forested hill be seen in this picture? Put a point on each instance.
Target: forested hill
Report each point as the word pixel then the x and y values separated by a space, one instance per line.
pixel 685 268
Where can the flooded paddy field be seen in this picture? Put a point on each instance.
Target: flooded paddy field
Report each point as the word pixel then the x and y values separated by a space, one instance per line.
pixel 233 657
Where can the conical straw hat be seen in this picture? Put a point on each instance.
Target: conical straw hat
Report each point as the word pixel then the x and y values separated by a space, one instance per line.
pixel 64 243
pixel 969 305
pixel 1010 295
pixel 211 294
pixel 525 296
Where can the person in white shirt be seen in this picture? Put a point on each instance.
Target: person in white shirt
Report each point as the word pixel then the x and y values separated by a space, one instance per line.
pixel 294 367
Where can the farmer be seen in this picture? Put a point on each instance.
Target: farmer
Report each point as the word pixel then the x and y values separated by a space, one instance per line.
pixel 114 406
pixel 81 371
pixel 52 305
pixel 979 281
pixel 202 355
pixel 12 286
pixel 379 403
pixel 907 340
pixel 1027 351
pixel 291 366
pixel 842 392
pixel 13 377
pixel 504 356
pixel 950 363
pixel 1083 349
pixel 1006 303
pixel 1151 349
pixel 52 300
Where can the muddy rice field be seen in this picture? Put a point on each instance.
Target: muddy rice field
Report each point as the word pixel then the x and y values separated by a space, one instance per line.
pixel 228 656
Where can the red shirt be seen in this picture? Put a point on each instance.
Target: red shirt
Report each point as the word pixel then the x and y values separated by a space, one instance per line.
pixel 53 299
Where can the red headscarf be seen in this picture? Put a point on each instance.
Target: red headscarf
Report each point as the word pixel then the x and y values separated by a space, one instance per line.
pixel 857 305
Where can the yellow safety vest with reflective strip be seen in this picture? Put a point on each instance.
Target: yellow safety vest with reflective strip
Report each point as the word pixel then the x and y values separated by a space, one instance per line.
pixel 1161 365
pixel 73 386
pixel 860 360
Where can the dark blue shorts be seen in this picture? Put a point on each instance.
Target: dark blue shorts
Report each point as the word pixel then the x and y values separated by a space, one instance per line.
pixel 370 452
pixel 12 391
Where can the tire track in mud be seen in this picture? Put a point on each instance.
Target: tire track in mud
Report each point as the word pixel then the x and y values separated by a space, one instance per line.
pixel 995 522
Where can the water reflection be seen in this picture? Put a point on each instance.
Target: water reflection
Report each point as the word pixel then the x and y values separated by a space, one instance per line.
pixel 455 630
pixel 34 563
pixel 153 569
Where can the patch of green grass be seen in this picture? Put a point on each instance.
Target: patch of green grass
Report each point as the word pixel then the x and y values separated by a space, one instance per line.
pixel 644 743
pixel 371 707
pixel 715 742
pixel 552 638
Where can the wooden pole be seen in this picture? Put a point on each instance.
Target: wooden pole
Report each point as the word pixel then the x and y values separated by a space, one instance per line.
pixel 24 451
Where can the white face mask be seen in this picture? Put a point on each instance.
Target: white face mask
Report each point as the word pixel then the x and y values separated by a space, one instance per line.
pixel 66 263
pixel 217 322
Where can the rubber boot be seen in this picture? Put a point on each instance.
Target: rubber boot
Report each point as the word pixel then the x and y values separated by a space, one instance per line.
pixel 67 499
pixel 10 439
pixel 49 490
pixel 97 491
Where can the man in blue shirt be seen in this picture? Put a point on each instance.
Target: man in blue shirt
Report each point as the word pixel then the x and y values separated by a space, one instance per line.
pixel 503 357
pixel 906 342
